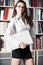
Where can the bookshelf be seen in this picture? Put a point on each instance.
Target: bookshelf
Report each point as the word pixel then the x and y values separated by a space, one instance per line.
pixel 35 10
pixel 39 57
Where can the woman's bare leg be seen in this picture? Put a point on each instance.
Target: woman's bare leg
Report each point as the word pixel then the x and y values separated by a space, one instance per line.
pixel 15 61
pixel 28 62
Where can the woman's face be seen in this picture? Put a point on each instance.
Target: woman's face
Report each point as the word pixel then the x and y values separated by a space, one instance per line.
pixel 20 8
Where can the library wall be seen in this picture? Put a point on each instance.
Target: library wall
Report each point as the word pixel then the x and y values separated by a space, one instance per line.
pixel 35 11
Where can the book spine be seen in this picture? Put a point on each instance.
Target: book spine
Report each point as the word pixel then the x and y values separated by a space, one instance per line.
pixel 6 10
pixel 6 2
pixel 1 2
pixel 34 3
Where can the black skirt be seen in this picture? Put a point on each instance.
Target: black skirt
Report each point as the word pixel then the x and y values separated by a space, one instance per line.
pixel 22 53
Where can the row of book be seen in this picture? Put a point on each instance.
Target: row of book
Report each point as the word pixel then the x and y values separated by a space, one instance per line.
pixel 6 13
pixel 37 3
pixel 33 3
pixel 7 2
pixel 39 42
pixel 38 14
pixel 39 27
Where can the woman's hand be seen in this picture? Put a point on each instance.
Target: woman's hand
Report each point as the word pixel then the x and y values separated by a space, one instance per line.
pixel 23 45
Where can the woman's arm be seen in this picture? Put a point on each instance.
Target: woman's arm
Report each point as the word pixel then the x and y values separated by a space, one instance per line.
pixel 11 43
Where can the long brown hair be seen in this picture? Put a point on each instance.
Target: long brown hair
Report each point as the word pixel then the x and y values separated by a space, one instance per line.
pixel 25 13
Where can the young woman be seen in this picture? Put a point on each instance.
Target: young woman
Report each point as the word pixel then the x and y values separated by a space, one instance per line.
pixel 19 21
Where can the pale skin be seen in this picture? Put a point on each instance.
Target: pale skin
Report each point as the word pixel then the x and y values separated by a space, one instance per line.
pixel 15 61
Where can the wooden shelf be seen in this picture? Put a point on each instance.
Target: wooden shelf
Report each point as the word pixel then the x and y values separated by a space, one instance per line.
pixel 7 6
pixel 41 34
pixel 38 7
pixel 2 35
pixel 4 20
pixel 37 20
pixel 5 58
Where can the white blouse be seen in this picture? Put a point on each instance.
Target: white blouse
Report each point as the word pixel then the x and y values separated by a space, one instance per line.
pixel 16 25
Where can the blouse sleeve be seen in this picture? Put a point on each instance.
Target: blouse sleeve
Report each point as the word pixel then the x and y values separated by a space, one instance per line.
pixel 10 42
